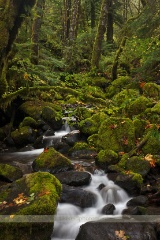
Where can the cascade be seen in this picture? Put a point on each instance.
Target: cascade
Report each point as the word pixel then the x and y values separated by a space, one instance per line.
pixel 70 217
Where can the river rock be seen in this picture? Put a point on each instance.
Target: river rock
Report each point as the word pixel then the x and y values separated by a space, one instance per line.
pixel 9 173
pixel 108 209
pixel 74 178
pixel 77 196
pixel 116 230
pixel 51 161
pixel 52 118
pixel 25 204
pixel 72 137
pixel 134 211
pixel 138 201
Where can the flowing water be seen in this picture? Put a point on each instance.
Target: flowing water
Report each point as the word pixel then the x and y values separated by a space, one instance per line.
pixel 70 217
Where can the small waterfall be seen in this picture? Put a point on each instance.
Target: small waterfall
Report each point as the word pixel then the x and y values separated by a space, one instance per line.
pixel 69 217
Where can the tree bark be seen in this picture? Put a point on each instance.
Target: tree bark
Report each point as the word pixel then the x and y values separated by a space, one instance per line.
pixel 36 27
pixel 74 20
pixel 100 35
pixel 66 18
pixel 110 23
pixel 93 14
pixel 11 13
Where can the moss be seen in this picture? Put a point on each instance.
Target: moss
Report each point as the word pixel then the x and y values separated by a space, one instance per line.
pixel 92 140
pixel 80 146
pixel 139 127
pixel 50 160
pixel 138 165
pixel 117 86
pixel 50 115
pixel 100 82
pixel 152 90
pixel 137 178
pixel 125 97
pixel 117 134
pixel 28 121
pixel 91 125
pixel 107 156
pixel 152 146
pixel 9 172
pixel 22 136
pixel 138 106
pixel 156 108
pixel 122 163
pixel 82 113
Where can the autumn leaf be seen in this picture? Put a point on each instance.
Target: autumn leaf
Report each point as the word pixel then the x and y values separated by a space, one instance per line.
pixel 113 126
pixel 21 199
pixel 121 235
pixel 150 159
pixel 142 84
pixel 43 193
pixel 46 150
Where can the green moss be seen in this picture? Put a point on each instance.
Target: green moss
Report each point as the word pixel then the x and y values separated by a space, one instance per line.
pixel 125 97
pixel 139 125
pixel 152 90
pixel 100 82
pixel 28 121
pixel 138 165
pixel 49 114
pixel 91 125
pixel 51 159
pixel 117 134
pixel 82 113
pixel 10 172
pixel 137 178
pixel 21 136
pixel 107 156
pixel 152 146
pixel 92 140
pixel 156 108
pixel 138 106
pixel 122 163
pixel 80 146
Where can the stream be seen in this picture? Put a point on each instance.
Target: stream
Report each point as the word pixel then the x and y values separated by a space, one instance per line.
pixel 70 217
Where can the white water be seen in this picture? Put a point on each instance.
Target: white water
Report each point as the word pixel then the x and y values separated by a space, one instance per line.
pixel 70 217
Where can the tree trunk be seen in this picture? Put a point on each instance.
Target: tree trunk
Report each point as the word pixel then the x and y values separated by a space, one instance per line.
pixel 36 27
pixel 143 3
pixel 93 14
pixel 74 20
pixel 100 35
pixel 66 18
pixel 11 13
pixel 110 23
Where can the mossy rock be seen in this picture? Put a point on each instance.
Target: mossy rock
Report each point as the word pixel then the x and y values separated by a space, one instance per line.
pixel 106 158
pixel 28 121
pixel 125 97
pixel 138 106
pixel 9 173
pixel 156 108
pixel 29 200
pixel 138 165
pixel 82 113
pixel 100 82
pixel 152 146
pixel 122 163
pixel 152 90
pixel 117 86
pixel 82 150
pixel 92 140
pixel 117 134
pixel 51 161
pixel 91 125
pixel 139 125
pixel 52 118
pixel 23 136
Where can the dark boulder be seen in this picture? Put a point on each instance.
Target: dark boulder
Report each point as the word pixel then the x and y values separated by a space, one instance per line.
pixel 108 209
pixel 138 201
pixel 72 137
pixel 77 196
pixel 74 178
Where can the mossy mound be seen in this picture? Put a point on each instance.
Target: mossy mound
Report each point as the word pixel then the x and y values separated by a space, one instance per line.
pixel 100 82
pixel 106 158
pixel 82 150
pixel 117 134
pixel 138 106
pixel 117 86
pixel 138 165
pixel 125 97
pixel 151 90
pixel 27 200
pixel 82 113
pixel 28 121
pixel 91 125
pixel 23 136
pixel 9 173
pixel 152 146
pixel 52 118
pixel 156 109
pixel 51 161
pixel 140 126
pixel 92 140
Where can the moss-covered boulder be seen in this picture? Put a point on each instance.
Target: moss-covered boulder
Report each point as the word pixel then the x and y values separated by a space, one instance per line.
pixel 156 109
pixel 82 113
pixel 9 173
pixel 28 121
pixel 23 136
pixel 52 118
pixel 51 161
pixel 91 125
pixel 140 126
pixel 117 134
pixel 138 165
pixel 125 97
pixel 27 202
pixel 138 106
pixel 152 145
pixel 151 90
pixel 82 150
pixel 92 140
pixel 106 158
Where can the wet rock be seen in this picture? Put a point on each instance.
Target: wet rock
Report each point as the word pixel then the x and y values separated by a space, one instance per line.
pixel 108 209
pixel 51 161
pixel 74 178
pixel 9 173
pixel 34 194
pixel 52 118
pixel 101 186
pixel 82 150
pixel 111 231
pixel 77 196
pixel 62 147
pixel 72 137
pixel 138 165
pixel 134 211
pixel 138 201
